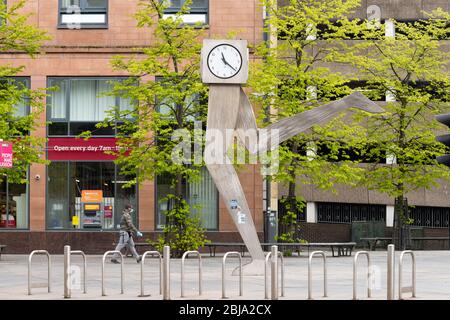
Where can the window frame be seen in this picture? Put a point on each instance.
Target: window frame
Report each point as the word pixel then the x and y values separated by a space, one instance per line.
pixel 174 10
pixel 85 10
pixel 67 111
pixel 67 186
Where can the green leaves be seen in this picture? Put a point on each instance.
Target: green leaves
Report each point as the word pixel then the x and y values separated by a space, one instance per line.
pixel 16 124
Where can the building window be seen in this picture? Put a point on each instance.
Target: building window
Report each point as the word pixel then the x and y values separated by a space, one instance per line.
pixel 13 205
pixel 431 217
pixel 198 11
pixel 79 104
pixel 202 197
pixel 78 14
pixel 65 184
pixel 330 212
pixel 14 196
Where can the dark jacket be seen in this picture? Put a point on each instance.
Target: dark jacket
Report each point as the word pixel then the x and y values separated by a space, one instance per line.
pixel 126 223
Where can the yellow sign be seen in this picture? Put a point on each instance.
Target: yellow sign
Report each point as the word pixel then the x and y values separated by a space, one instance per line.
pixel 91 196
pixel 92 207
pixel 75 220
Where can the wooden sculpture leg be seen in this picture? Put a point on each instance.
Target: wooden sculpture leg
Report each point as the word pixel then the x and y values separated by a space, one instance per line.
pixel 222 116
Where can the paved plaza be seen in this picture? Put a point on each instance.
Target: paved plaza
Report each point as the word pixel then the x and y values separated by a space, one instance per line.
pixel 433 278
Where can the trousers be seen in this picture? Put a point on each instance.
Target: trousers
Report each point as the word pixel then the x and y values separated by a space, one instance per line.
pixel 126 240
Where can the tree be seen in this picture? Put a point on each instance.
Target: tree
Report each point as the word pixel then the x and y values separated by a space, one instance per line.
pixel 290 78
pixel 15 125
pixel 163 114
pixel 412 69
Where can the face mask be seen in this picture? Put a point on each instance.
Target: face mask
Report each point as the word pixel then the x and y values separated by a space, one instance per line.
pixel 131 210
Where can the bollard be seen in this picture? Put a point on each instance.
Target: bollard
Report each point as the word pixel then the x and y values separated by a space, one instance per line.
pixel 166 273
pixel 67 280
pixel 390 271
pixel 274 273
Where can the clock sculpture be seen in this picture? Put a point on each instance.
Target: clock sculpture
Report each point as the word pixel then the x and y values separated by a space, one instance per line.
pixel 224 67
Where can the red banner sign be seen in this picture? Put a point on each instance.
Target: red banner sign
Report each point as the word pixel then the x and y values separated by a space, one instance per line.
pixel 6 155
pixel 72 149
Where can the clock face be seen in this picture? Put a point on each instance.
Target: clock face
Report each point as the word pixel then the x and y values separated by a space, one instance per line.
pixel 224 61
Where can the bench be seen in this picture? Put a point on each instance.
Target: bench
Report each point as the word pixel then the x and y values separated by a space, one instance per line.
pixel 213 245
pixel 372 242
pixel 337 248
pixel 2 246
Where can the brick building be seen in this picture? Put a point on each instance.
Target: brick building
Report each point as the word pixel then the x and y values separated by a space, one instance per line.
pixel 78 61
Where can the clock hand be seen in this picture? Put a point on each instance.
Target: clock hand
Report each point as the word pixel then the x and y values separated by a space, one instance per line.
pixel 226 62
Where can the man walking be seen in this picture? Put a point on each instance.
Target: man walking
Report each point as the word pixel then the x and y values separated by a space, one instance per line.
pixel 126 234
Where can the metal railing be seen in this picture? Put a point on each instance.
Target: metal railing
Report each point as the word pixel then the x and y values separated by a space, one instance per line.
pixel 355 274
pixel 310 273
pixel 199 271
pixel 81 253
pixel 237 254
pixel 274 283
pixel 142 271
pixel 29 269
pixel 411 289
pixel 103 270
pixel 67 271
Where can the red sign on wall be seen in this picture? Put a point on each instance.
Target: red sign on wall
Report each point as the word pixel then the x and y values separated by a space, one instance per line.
pixel 6 155
pixel 72 149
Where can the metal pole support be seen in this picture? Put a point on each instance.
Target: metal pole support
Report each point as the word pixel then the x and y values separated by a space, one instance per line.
pixel 400 276
pixel 29 268
pixel 310 273
pixel 266 284
pixel 355 274
pixel 166 273
pixel 390 272
pixel 199 271
pixel 67 280
pixel 142 272
pixel 237 254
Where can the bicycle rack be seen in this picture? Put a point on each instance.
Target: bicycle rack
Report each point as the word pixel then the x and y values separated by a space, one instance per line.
pixel 266 285
pixel 355 274
pixel 199 271
pixel 142 271
pixel 235 253
pixel 411 289
pixel 29 269
pixel 103 270
pixel 67 275
pixel 310 273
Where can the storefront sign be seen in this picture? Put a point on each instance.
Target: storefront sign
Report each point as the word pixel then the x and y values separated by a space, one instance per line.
pixel 91 196
pixel 108 211
pixel 73 149
pixel 6 155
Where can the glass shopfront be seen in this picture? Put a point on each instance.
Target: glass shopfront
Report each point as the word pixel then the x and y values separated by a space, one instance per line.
pixel 66 183
pixel 13 205
pixel 14 196
pixel 84 186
